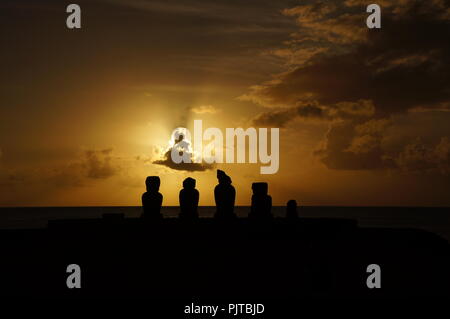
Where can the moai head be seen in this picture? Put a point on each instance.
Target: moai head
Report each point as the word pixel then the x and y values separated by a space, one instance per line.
pixel 189 183
pixel 223 177
pixel 260 188
pixel 152 183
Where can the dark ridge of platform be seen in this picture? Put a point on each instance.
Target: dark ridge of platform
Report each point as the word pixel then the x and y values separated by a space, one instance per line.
pixel 276 228
pixel 205 258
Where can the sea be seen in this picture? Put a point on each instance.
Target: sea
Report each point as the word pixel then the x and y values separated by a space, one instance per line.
pixel 436 219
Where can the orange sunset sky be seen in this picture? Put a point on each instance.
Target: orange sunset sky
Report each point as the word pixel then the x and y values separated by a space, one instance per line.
pixel 363 114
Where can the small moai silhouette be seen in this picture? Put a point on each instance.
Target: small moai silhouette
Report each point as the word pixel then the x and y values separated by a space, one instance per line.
pixel 152 198
pixel 189 197
pixel 224 195
pixel 291 209
pixel 261 202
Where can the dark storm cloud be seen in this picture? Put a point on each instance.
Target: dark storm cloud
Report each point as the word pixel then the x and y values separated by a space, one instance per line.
pixel 274 118
pixel 394 88
pixel 280 117
pixel 357 75
pixel 335 155
pixel 404 64
pixel 418 156
pixel 183 147
pixel 99 164
pixel 348 148
pixel 90 165
pixel 190 167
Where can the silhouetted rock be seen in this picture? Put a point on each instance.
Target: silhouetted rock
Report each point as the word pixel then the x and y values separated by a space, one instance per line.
pixel 152 198
pixel 261 202
pixel 291 209
pixel 189 197
pixel 224 195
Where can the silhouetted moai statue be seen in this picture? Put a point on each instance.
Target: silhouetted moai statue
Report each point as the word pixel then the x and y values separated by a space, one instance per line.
pixel 189 200
pixel 261 202
pixel 224 195
pixel 152 198
pixel 291 209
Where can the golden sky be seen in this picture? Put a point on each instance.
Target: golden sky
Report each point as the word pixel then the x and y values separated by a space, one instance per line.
pixel 363 114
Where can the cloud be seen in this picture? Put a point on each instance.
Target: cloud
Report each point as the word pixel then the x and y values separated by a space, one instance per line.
pixel 295 56
pixel 365 146
pixel 419 157
pixel 183 146
pixel 313 111
pixel 440 107
pixel 190 167
pixel 282 116
pixel 161 7
pixel 367 136
pixel 350 77
pixel 323 21
pixel 357 79
pixel 204 109
pixel 274 118
pixel 402 65
pixel 90 165
pixel 99 164
pixel 344 149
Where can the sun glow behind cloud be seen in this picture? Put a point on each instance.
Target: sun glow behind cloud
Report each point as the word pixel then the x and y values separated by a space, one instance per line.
pixel 160 65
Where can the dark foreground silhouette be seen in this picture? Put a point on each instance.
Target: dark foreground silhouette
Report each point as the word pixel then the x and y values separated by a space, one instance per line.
pixel 225 258
pixel 237 260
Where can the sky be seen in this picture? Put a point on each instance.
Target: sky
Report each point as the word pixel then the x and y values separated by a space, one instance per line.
pixel 87 114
